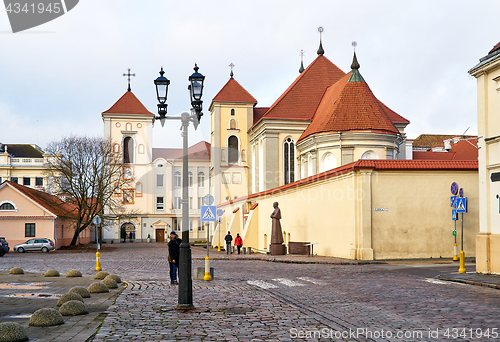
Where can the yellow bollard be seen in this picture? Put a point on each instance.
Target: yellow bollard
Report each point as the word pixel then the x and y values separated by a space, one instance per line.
pixel 218 248
pixel 97 261
pixel 207 269
pixel 455 249
pixel 462 262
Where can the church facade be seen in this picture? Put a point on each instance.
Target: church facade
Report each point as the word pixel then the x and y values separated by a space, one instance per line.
pixel 337 160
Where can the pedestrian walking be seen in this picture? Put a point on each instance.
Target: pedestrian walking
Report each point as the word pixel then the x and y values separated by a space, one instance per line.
pixel 130 236
pixel 228 239
pixel 238 242
pixel 173 257
pixel 133 236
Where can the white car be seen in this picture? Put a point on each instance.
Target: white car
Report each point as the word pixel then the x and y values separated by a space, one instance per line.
pixel 43 245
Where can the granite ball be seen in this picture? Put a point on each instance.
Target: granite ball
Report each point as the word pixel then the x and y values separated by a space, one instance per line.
pixel 73 273
pixel 12 332
pixel 52 273
pixel 82 291
pixel 67 297
pixel 101 275
pixel 46 317
pixel 97 288
pixel 16 270
pixel 73 308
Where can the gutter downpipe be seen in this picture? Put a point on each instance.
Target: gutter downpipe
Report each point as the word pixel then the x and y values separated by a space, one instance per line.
pixel 55 233
pixel 340 142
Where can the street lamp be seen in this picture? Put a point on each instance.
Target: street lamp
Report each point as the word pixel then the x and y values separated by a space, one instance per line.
pixel 185 294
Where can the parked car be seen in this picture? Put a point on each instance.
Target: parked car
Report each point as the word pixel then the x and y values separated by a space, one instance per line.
pixel 43 245
pixel 4 246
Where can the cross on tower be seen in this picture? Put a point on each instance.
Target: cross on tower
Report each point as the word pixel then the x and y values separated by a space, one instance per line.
pixel 231 66
pixel 129 74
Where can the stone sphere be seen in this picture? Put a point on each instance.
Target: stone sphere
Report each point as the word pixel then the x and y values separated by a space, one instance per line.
pixel 12 332
pixel 82 291
pixel 73 308
pixel 52 273
pixel 67 297
pixel 46 317
pixel 110 283
pixel 16 270
pixel 97 288
pixel 101 275
pixel 114 277
pixel 74 273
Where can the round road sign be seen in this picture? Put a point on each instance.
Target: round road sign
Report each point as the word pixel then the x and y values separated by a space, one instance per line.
pixel 220 212
pixel 96 220
pixel 461 192
pixel 208 199
pixel 454 188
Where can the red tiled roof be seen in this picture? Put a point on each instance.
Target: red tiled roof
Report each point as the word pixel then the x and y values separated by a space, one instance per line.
pixel 233 92
pixel 128 104
pixel 430 140
pixel 375 164
pixel 349 106
pixel 395 117
pixel 303 96
pixel 50 202
pixel 258 112
pixel 199 151
pixel 495 48
pixel 462 150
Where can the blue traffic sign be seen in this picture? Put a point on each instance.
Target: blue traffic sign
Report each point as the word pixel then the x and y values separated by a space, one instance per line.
pixel 454 214
pixel 461 192
pixel 461 204
pixel 220 212
pixel 208 213
pixel 453 201
pixel 454 188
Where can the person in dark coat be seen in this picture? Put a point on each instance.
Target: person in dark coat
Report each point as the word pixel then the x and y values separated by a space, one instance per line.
pixel 173 257
pixel 228 239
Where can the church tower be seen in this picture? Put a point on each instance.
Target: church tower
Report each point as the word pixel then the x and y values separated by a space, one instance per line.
pixel 128 125
pixel 232 112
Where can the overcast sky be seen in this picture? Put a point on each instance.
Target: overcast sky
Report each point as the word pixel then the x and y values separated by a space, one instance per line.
pixel 57 79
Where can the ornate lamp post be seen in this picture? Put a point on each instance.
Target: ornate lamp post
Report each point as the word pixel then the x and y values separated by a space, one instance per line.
pixel 185 294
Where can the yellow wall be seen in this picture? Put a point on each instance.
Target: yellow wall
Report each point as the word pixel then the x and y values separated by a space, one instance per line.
pixel 341 214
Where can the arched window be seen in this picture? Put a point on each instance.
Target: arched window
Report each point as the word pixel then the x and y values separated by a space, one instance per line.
pixel 201 179
pixel 116 148
pixel 7 206
pixel 138 189
pixel 128 150
pixel 232 112
pixel 369 155
pixel 289 160
pixel 128 126
pixel 141 148
pixel 177 179
pixel 232 144
pixel 310 166
pixel 232 124
pixel 190 179
pixel 328 162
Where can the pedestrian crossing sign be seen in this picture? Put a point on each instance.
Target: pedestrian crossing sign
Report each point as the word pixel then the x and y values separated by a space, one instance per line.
pixel 208 213
pixel 461 204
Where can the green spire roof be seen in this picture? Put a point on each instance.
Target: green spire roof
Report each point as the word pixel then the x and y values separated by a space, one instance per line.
pixel 355 75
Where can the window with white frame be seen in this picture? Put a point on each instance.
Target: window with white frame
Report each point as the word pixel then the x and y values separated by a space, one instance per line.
pixel 177 179
pixel 289 161
pixel 190 179
pixel 200 202
pixel 190 202
pixel 201 179
pixel 138 189
pixel 160 205
pixel 159 181
pixel 190 224
pixel 177 203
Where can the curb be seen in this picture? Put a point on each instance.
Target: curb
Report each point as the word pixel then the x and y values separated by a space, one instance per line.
pixel 354 262
pixel 471 282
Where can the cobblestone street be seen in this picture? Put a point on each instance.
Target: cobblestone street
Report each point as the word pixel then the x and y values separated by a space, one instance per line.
pixel 255 300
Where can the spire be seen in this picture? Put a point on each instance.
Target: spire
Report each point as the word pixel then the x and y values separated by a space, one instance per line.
pixel 231 66
pixel 355 75
pixel 301 61
pixel 321 52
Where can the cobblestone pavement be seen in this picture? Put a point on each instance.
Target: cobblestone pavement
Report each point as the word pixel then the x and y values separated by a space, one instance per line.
pixel 253 300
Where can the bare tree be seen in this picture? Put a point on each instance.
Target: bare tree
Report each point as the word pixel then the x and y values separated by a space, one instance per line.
pixel 85 171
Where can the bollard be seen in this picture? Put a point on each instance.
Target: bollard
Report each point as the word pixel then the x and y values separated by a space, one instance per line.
pixel 244 250
pixel 462 262
pixel 249 249
pixel 455 250
pixel 218 248
pixel 97 261
pixel 207 269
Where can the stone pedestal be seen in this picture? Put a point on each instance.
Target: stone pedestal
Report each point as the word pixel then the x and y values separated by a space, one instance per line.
pixel 277 249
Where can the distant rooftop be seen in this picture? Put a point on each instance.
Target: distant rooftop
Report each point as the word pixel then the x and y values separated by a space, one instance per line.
pixel 22 150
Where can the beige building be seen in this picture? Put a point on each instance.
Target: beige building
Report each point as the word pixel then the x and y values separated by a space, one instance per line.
pixel 23 164
pixel 487 73
pixel 151 187
pixel 337 160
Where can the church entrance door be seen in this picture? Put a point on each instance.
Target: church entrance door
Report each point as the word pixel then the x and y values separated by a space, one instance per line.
pixel 160 235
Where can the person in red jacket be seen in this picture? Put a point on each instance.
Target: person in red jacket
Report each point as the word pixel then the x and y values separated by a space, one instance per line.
pixel 238 242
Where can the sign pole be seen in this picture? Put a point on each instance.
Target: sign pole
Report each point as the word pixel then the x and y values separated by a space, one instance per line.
pixel 455 248
pixel 462 254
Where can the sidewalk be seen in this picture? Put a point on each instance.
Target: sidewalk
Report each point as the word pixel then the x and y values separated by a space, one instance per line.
pixel 477 279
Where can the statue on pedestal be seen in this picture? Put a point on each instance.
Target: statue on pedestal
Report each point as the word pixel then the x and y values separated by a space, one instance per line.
pixel 276 247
